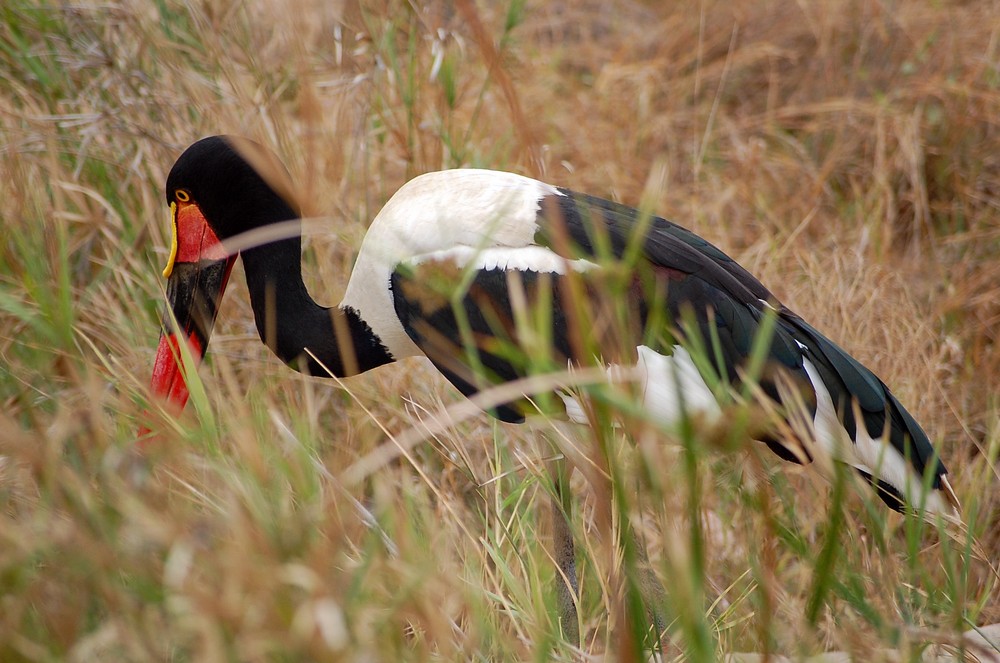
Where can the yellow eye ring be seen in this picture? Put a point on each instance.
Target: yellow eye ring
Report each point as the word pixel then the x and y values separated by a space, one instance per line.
pixel 182 196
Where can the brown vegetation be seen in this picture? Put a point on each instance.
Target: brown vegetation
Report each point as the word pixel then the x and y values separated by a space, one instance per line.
pixel 846 152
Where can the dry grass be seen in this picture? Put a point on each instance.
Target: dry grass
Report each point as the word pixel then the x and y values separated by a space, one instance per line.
pixel 846 152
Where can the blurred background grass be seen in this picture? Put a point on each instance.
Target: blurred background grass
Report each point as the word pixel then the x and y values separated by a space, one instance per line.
pixel 845 152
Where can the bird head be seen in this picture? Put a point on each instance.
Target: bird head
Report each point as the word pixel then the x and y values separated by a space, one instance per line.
pixel 222 191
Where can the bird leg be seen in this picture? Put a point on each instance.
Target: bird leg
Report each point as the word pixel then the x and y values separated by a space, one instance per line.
pixel 652 592
pixel 564 550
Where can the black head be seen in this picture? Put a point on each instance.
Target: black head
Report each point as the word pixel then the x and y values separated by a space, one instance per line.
pixel 237 184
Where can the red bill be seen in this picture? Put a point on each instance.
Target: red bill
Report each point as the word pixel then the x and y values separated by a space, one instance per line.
pixel 197 271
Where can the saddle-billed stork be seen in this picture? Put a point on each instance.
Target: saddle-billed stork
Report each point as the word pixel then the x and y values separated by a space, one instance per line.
pixel 445 263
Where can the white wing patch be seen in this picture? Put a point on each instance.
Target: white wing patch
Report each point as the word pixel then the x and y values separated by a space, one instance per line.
pixel 670 386
pixel 673 386
pixel 527 258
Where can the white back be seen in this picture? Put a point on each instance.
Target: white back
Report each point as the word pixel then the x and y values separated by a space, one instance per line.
pixel 435 212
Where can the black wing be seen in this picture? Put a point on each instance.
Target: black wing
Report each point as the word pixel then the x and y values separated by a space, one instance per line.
pixel 476 339
pixel 590 223
pixel 473 336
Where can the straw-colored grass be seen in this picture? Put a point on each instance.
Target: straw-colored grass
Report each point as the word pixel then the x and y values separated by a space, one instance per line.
pixel 848 153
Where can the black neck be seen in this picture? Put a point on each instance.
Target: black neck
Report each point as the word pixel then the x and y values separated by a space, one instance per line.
pixel 308 337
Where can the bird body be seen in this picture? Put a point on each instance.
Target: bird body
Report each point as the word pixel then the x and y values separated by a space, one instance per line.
pixel 470 268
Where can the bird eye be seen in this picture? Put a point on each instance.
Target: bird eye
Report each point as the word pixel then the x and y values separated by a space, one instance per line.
pixel 182 196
